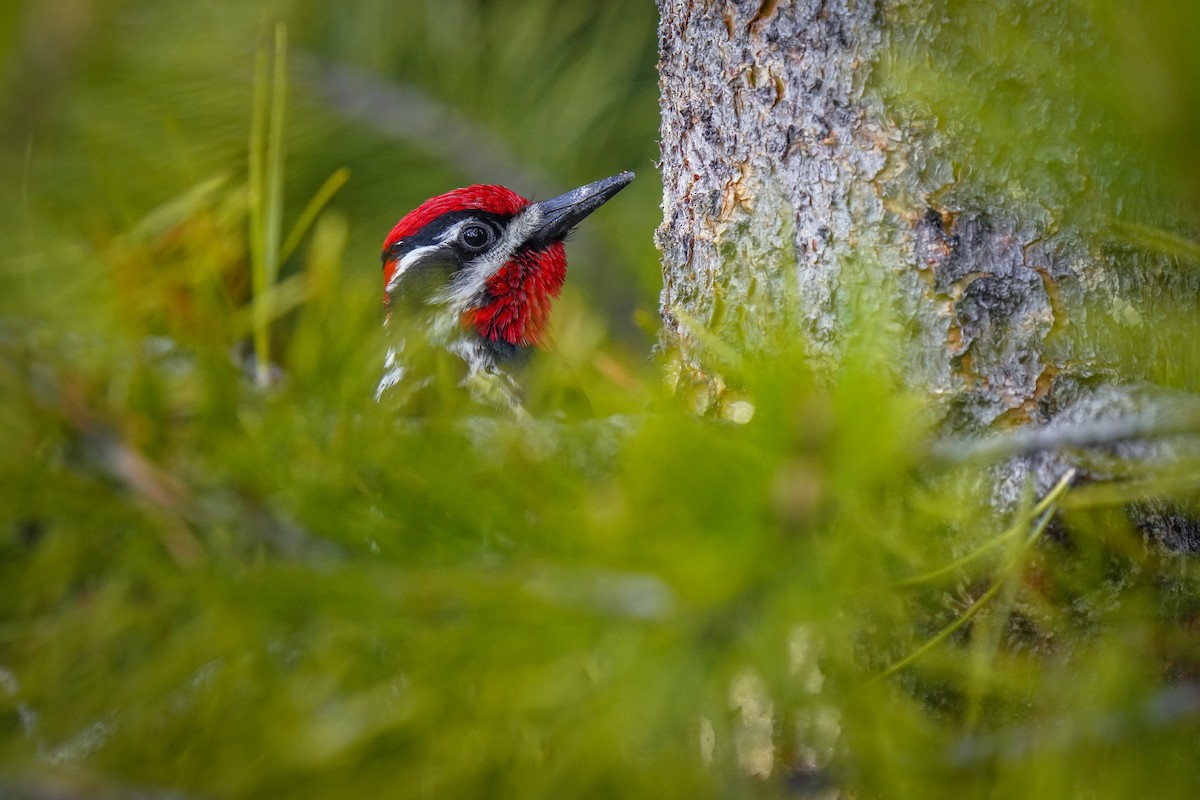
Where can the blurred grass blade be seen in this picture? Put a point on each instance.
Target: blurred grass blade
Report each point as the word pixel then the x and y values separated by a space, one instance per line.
pixel 175 211
pixel 1052 498
pixel 280 298
pixel 1049 504
pixel 324 261
pixel 274 176
pixel 1159 240
pixel 266 192
pixel 328 189
pixel 257 148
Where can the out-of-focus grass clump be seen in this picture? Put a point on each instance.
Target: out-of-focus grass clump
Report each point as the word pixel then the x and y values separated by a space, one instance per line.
pixel 210 589
pixel 214 590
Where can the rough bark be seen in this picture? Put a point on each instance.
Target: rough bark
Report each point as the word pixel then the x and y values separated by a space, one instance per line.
pixel 768 163
pixel 796 189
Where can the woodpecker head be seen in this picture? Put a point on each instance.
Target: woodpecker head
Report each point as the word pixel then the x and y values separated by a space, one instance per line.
pixel 482 264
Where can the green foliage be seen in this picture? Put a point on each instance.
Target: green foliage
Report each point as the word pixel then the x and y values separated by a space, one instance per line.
pixel 1074 110
pixel 212 589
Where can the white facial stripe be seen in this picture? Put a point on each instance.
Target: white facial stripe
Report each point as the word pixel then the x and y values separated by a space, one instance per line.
pixel 409 259
pixel 471 281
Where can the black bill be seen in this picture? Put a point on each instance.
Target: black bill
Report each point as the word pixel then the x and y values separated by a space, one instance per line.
pixel 561 214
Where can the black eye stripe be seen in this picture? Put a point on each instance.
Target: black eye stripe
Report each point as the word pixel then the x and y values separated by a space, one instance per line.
pixel 434 233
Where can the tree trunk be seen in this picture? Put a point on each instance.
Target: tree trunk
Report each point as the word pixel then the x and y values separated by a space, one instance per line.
pixel 803 180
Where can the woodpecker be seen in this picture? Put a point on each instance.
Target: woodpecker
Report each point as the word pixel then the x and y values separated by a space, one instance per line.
pixel 473 272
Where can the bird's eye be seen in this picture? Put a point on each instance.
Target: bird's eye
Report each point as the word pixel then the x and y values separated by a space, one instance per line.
pixel 475 237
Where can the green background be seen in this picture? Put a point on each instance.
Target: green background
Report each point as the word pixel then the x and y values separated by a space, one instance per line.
pixel 212 590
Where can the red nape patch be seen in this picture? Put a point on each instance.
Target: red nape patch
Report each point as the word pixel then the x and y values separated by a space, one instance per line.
pixel 389 269
pixel 495 199
pixel 520 295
